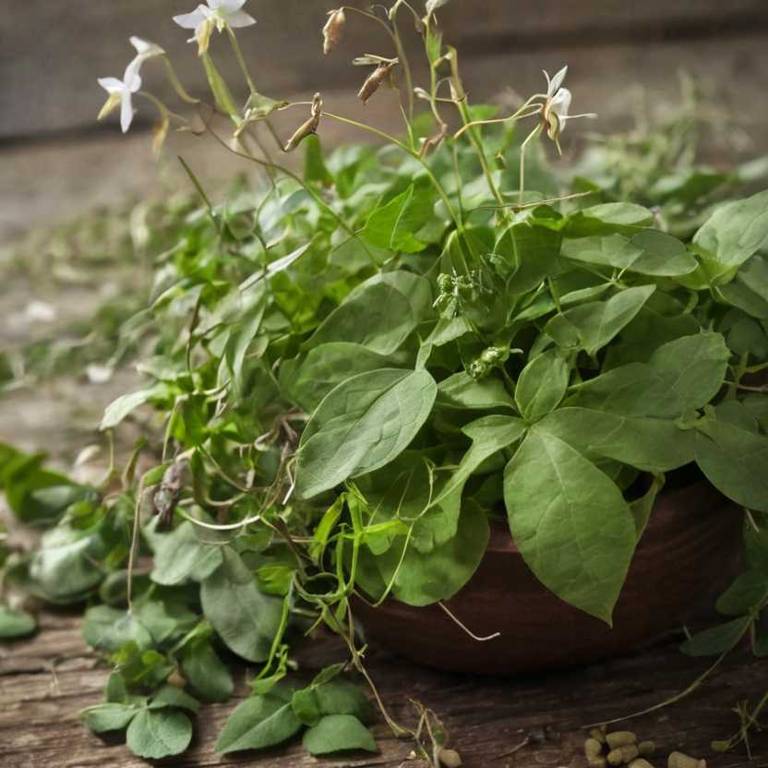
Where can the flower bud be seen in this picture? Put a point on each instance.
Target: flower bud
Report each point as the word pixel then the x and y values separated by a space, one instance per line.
pixel 333 29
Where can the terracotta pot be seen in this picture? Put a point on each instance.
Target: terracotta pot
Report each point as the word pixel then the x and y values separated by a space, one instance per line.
pixel 688 552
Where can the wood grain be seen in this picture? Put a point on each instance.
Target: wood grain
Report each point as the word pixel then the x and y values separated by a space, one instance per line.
pixel 46 680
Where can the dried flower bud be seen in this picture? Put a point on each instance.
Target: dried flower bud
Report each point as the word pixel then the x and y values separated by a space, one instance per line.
pixel 166 498
pixel 434 141
pixel 309 126
pixel 333 29
pixel 680 760
pixel 624 754
pixel 176 679
pixel 620 738
pixel 373 82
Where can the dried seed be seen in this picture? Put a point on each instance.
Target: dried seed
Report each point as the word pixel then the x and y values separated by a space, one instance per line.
pixel 333 29
pixel 597 762
pixel 620 738
pixel 598 734
pixel 375 79
pixel 680 760
pixel 449 758
pixel 308 127
pixel 647 748
pixel 641 762
pixel 592 748
pixel 624 754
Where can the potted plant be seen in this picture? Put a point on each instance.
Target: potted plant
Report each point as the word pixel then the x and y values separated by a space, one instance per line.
pixel 433 385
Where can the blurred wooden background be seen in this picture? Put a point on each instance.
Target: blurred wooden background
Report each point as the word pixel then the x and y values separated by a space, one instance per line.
pixel 51 52
pixel 55 159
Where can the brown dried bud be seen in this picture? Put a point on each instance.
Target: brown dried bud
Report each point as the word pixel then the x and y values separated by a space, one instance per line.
pixel 680 760
pixel 166 497
pixel 620 738
pixel 624 754
pixel 176 679
pixel 309 126
pixel 333 29
pixel 373 82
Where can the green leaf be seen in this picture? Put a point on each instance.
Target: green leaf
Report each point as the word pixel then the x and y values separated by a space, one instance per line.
pixel 570 523
pixel 652 445
pixel 541 385
pixel 257 723
pixel 338 733
pixel 395 225
pixel 607 219
pixel 379 314
pixel 462 391
pixel 315 169
pixel 109 629
pixel 717 640
pixel 337 697
pixel 180 556
pixel 64 567
pixel 117 410
pixel 208 676
pixel 363 424
pixel 648 252
pixel 324 368
pixel 734 460
pixel 732 234
pixel 171 696
pixel 245 619
pixel 528 253
pixel 747 591
pixel 592 325
pixel 423 579
pixel 154 734
pixel 108 717
pixel 681 376
pixel 14 624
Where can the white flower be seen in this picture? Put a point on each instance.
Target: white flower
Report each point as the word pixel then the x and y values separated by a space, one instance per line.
pixel 217 13
pixel 144 50
pixel 557 105
pixel 121 92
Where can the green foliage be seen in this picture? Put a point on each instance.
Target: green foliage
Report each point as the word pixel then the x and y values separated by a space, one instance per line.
pixel 355 370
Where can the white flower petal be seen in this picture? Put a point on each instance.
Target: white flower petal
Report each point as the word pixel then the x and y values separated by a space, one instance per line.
pixel 131 79
pixel 126 111
pixel 145 48
pixel 557 81
pixel 239 19
pixel 111 84
pixel 561 103
pixel 227 6
pixel 194 19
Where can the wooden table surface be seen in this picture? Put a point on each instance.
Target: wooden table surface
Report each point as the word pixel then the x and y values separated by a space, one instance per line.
pixel 44 681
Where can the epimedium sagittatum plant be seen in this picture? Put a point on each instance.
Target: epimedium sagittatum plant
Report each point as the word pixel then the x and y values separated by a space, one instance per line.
pixel 360 367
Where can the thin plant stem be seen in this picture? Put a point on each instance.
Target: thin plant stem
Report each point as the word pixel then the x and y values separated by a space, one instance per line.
pixel 523 147
pixel 134 543
pixel 241 59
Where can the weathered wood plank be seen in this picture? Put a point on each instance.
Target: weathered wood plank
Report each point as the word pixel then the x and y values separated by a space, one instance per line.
pixel 52 52
pixel 486 718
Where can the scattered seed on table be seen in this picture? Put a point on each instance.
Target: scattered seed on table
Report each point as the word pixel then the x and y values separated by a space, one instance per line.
pixel 647 748
pixel 623 754
pixel 680 760
pixel 620 739
pixel 449 758
pixel 592 748
pixel 640 762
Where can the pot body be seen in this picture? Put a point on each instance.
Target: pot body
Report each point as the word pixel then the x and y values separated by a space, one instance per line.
pixel 687 553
